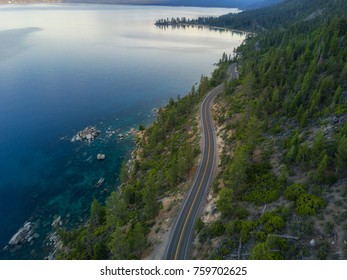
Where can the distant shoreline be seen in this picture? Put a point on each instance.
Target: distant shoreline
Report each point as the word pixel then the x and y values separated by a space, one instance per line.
pixel 28 2
pixel 24 2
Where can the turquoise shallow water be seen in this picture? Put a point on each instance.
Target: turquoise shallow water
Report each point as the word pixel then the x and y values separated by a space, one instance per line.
pixel 65 67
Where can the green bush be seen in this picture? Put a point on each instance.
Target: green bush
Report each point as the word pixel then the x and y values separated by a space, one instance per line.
pixel 262 252
pixel 260 236
pixel 331 180
pixel 203 235
pixel 225 201
pixel 265 189
pixel 216 229
pixel 329 228
pixel 275 242
pixel 247 229
pixel 294 191
pixel 285 212
pixel 262 185
pixel 273 224
pixel 324 250
pixel 308 204
pixel 233 227
pixel 199 225
pixel 307 226
pixel 266 250
pixel 341 154
pixel 241 213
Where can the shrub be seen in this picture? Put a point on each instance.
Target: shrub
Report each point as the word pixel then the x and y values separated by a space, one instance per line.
pixel 278 243
pixel 262 252
pixel 233 227
pixel 225 201
pixel 260 236
pixel 329 228
pixel 294 191
pixel 241 213
pixel 216 229
pixel 331 180
pixel 203 235
pixel 285 212
pixel 324 250
pixel 307 226
pixel 199 225
pixel 274 223
pixel 246 230
pixel 308 204
pixel 264 189
pixel 316 189
pixel 341 154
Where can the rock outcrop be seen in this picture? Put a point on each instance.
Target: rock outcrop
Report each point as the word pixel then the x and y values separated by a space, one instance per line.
pixel 87 134
pixel 23 234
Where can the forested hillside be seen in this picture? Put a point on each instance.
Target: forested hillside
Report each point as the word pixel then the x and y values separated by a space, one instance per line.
pixel 282 189
pixel 273 17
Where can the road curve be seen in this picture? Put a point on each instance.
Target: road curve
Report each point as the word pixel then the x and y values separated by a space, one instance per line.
pixel 182 234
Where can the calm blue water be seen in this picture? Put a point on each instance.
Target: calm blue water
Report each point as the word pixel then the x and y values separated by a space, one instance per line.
pixel 64 67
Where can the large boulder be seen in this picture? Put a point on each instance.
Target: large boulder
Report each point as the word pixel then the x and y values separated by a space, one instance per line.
pixel 21 235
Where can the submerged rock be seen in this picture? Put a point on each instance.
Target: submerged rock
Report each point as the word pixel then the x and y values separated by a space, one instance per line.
pixel 100 182
pixel 100 156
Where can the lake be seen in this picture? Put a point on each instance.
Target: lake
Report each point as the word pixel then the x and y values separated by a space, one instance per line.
pixel 64 67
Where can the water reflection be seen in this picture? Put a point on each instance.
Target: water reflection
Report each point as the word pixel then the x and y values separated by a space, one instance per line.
pixel 219 30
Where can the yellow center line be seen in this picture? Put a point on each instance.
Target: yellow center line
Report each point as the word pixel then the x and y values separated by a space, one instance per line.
pixel 196 195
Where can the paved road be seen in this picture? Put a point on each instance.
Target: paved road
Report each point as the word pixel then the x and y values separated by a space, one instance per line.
pixel 182 234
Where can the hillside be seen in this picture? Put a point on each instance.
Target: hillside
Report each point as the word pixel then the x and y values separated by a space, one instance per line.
pixel 282 187
pixel 276 16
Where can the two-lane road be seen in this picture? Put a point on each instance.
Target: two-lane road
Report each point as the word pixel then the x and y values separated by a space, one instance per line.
pixel 182 234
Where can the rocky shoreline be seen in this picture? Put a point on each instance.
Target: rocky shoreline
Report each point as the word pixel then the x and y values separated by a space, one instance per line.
pixel 26 234
pixel 53 239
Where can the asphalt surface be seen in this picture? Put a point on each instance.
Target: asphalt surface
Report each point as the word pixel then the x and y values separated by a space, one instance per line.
pixel 183 231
